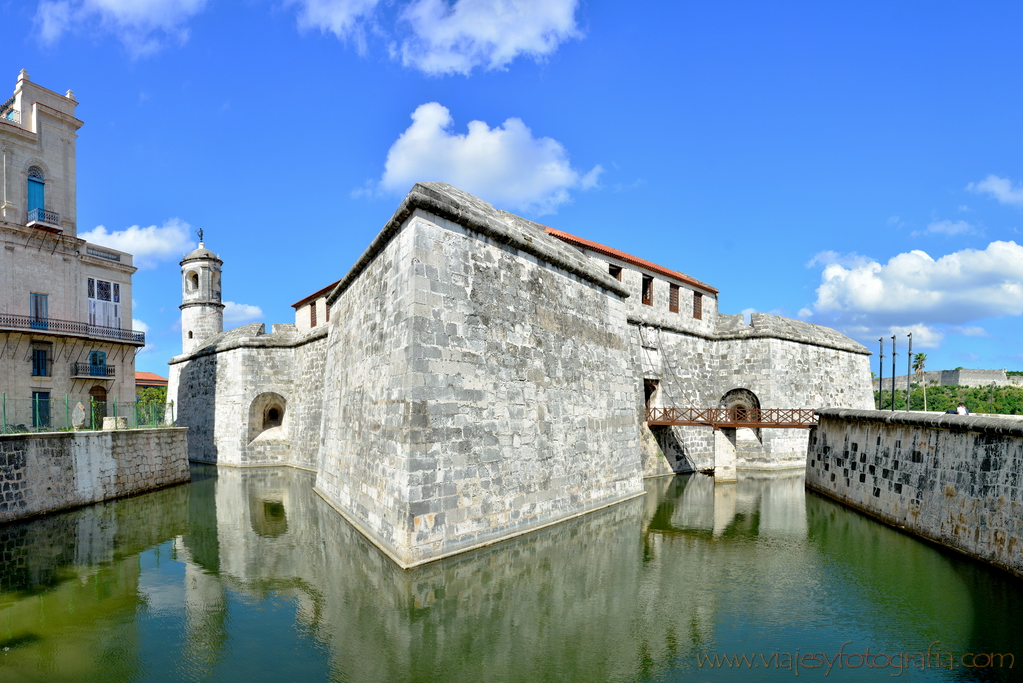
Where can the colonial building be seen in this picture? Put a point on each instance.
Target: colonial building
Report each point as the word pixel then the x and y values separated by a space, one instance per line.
pixel 65 304
pixel 476 375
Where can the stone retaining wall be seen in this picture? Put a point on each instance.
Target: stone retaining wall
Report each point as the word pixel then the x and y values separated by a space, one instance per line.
pixel 46 472
pixel 952 479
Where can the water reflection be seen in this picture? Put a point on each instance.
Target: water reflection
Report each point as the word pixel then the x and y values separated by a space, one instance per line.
pixel 247 575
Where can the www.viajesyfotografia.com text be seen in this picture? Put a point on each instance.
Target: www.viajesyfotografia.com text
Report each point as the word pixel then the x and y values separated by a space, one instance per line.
pixel 934 657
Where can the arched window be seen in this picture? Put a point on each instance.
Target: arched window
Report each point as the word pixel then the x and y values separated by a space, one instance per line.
pixel 36 191
pixel 193 281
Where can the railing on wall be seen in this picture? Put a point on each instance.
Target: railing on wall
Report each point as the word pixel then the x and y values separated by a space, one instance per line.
pixel 44 216
pixel 10 321
pixel 90 370
pixel 20 415
pixel 733 417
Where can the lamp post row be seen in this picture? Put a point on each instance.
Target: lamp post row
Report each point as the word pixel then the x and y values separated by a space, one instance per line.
pixel 909 373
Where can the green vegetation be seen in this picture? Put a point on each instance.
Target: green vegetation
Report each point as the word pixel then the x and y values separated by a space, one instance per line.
pixel 151 395
pixel 997 400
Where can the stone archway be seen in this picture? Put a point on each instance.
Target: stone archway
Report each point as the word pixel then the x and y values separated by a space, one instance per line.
pixel 98 406
pixel 268 411
pixel 746 403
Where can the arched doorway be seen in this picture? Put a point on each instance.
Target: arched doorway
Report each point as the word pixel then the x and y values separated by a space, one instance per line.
pixel 98 403
pixel 746 405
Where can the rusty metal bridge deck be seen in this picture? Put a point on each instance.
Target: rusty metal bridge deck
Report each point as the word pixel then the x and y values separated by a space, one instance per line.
pixel 755 418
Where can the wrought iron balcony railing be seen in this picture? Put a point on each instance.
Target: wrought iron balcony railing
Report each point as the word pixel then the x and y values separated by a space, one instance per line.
pixel 90 370
pixel 44 216
pixel 69 327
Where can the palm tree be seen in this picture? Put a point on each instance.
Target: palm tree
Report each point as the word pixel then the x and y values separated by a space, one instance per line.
pixel 918 367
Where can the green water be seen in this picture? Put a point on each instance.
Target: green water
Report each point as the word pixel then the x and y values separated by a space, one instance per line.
pixel 246 575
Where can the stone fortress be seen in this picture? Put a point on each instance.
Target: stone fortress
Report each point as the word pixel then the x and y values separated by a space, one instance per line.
pixel 476 375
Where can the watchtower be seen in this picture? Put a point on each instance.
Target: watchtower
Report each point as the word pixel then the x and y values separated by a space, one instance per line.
pixel 202 312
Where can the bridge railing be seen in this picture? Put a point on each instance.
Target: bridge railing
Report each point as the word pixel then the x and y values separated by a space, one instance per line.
pixel 733 417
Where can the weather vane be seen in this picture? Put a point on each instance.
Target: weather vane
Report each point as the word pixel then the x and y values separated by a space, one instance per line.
pixel 200 234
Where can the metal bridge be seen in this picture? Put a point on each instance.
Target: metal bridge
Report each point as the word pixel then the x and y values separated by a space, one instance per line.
pixel 755 418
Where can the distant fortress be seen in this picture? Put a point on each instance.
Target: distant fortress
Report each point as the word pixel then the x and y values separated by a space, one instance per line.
pixel 960 377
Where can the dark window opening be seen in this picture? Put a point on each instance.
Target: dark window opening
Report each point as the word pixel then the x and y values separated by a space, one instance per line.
pixel 40 362
pixel 39 310
pixel 649 391
pixel 615 271
pixel 673 299
pixel 698 305
pixel 40 409
pixel 193 281
pixel 648 290
pixel 190 334
pixel 312 315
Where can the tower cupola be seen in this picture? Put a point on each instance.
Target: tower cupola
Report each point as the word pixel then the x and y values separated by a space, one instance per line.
pixel 202 311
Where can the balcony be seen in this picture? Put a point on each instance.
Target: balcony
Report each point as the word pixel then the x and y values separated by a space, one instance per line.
pixel 10 116
pixel 69 328
pixel 44 220
pixel 90 371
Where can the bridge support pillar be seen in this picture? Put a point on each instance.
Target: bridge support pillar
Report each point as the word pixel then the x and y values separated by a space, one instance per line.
pixel 724 455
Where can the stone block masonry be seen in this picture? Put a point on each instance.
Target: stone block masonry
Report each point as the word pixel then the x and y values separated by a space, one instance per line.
pixel 952 479
pixel 47 472
pixel 479 388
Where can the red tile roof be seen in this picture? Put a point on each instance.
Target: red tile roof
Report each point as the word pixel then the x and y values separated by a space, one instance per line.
pixel 149 379
pixel 316 295
pixel 629 258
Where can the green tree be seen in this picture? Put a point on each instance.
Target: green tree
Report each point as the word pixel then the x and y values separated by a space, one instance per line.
pixel 151 395
pixel 919 360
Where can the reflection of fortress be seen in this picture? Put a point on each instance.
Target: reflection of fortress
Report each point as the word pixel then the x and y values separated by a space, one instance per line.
pixel 476 375
pixel 583 587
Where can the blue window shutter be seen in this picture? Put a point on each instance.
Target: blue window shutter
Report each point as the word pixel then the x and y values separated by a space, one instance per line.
pixel 36 194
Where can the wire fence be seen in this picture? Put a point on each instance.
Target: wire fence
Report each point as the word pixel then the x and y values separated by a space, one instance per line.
pixel 40 414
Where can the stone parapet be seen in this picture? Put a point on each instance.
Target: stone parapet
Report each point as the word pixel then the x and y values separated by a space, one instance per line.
pixel 47 472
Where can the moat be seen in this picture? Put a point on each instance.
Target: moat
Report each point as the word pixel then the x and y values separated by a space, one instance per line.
pixel 247 575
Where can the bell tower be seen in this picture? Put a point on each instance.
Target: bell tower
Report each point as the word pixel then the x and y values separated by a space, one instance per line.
pixel 202 312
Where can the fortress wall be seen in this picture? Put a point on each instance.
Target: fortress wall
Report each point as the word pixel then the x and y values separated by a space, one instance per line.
pixel 192 388
pixel 952 479
pixel 697 372
pixel 306 403
pixel 363 459
pixel 222 387
pixel 483 394
pixel 46 472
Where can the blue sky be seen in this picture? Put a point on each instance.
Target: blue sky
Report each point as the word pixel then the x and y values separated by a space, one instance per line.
pixel 857 165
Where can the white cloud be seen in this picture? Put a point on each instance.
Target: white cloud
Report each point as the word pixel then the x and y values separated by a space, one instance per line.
pixel 1001 189
pixel 148 245
pixel 139 326
pixel 916 293
pixel 959 287
pixel 947 227
pixel 343 18
pixel 827 257
pixel 144 26
pixel 924 336
pixel 239 314
pixel 458 37
pixel 970 331
pixel 505 165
